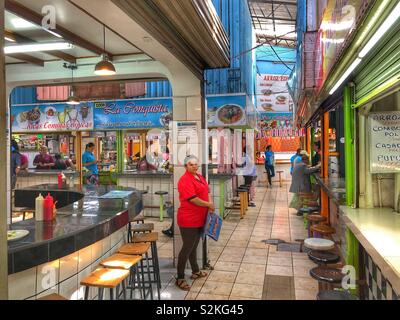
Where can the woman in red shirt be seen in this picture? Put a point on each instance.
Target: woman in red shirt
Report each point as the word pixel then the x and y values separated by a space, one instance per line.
pixel 195 203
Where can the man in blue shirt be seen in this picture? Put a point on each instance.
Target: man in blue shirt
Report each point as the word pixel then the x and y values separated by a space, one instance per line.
pixel 89 162
pixel 269 164
pixel 293 159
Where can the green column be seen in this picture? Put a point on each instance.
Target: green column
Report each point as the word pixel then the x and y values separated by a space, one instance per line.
pixel 348 145
pixel 120 151
pixel 352 254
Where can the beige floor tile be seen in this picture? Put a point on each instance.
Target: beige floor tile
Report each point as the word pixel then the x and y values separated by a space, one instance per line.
pixel 248 258
pixel 247 290
pixel 279 270
pixel 237 243
pixel 196 286
pixel 257 245
pixel 300 255
pixel 231 258
pixel 241 298
pixel 191 296
pixel 257 252
pixel 227 266
pixel 222 276
pixel 252 268
pixel 301 283
pixel 279 261
pixel 305 295
pixel 231 250
pixel 203 296
pixel 301 271
pixel 250 277
pixel 303 263
pixel 221 288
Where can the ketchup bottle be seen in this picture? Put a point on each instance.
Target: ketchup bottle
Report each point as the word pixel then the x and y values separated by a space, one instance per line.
pixel 48 208
pixel 60 180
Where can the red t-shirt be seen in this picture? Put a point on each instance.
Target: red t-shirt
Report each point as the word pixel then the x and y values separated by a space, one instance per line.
pixel 189 215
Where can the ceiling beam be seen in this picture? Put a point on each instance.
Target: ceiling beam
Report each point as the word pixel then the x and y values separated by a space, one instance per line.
pixel 276 18
pixel 36 18
pixel 55 53
pixel 27 58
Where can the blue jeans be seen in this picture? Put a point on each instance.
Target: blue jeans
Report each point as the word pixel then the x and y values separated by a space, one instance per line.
pixel 270 172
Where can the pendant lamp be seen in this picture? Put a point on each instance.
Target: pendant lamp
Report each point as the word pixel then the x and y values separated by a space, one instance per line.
pixel 105 66
pixel 72 100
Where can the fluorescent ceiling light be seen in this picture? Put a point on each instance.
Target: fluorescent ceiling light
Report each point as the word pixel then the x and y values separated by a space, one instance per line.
pixel 9 39
pixel 345 75
pixel 390 20
pixel 38 47
pixel 53 33
pixel 20 23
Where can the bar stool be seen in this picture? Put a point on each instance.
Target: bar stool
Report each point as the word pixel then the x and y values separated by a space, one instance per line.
pixel 243 200
pixel 126 262
pixel 151 238
pixel 143 227
pixel 336 295
pixel 161 194
pixel 323 257
pixel 105 278
pixel 54 297
pixel 322 230
pixel 327 278
pixel 280 177
pixel 313 219
pixel 140 249
pixel 319 244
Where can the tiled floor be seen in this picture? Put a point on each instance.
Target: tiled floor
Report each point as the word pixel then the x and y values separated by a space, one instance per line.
pixel 245 267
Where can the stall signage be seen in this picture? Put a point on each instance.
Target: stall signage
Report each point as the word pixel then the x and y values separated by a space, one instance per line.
pixel 226 111
pixel 385 142
pixel 126 114
pixel 52 117
pixel 273 93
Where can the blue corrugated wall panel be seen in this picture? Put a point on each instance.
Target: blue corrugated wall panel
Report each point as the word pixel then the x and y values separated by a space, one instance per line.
pixel 158 89
pixel 268 61
pixel 23 95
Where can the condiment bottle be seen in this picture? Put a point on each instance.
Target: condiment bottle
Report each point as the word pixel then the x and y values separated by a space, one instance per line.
pixel 48 208
pixel 60 181
pixel 39 208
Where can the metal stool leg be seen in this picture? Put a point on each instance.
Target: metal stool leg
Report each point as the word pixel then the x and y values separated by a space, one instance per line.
pixel 87 293
pixel 161 208
pixel 149 276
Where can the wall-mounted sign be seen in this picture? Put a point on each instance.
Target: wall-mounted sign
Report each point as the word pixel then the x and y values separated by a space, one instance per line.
pixel 52 117
pixel 385 142
pixel 126 114
pixel 273 94
pixel 226 111
pixel 280 120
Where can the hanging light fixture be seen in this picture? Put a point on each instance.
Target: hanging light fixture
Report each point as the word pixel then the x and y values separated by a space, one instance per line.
pixel 72 100
pixel 105 66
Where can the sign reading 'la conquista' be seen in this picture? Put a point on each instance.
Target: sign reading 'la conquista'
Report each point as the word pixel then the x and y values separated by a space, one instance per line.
pixel 385 142
pixel 106 115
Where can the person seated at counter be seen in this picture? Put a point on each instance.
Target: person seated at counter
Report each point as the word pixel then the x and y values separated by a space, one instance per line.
pixel 43 161
pixel 89 161
pixel 144 165
pixel 61 164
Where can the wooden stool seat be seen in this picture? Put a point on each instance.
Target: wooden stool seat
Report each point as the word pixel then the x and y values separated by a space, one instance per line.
pixel 53 296
pixel 142 227
pixel 315 218
pixel 121 261
pixel 134 248
pixel 105 278
pixel 328 275
pixel 323 229
pixel 319 244
pixel 138 218
pixel 323 257
pixel 145 237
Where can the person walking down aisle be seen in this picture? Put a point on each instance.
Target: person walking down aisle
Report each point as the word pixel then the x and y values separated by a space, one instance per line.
pixel 294 159
pixel 301 182
pixel 89 162
pixel 15 163
pixel 195 203
pixel 250 175
pixel 269 164
pixel 317 156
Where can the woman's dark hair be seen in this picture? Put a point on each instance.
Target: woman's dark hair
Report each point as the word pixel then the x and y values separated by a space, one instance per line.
pixel 15 145
pixel 89 145
pixel 268 147
pixel 57 156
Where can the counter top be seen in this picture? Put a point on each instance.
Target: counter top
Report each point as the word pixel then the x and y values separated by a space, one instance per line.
pixel 334 187
pixel 83 219
pixel 52 172
pixel 378 231
pixel 152 173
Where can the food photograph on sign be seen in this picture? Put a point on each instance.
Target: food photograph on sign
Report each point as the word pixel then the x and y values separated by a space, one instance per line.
pixel 51 117
pixel 226 111
pixel 273 94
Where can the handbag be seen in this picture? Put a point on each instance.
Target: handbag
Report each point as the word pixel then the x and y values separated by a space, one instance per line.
pixel 213 225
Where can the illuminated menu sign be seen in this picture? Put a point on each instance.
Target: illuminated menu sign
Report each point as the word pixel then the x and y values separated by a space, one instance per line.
pixel 385 142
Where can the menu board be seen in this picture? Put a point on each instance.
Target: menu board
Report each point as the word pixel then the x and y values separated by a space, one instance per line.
pixel 126 114
pixel 385 142
pixel 273 94
pixel 52 117
pixel 187 132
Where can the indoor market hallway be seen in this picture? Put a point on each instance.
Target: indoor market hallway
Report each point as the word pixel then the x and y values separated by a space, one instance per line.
pixel 244 266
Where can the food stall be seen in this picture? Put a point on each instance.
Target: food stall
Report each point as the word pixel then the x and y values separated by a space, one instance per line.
pixel 228 118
